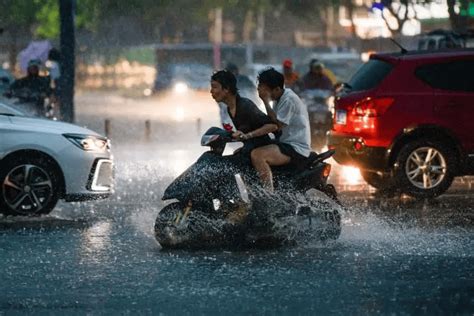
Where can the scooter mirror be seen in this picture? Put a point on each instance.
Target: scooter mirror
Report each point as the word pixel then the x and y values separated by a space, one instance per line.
pixel 208 139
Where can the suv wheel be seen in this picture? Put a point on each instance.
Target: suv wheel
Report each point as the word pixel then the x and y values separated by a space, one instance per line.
pixel 28 186
pixel 424 168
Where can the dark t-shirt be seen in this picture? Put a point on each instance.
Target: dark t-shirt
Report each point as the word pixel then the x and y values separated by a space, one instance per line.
pixel 34 84
pixel 248 116
pixel 314 81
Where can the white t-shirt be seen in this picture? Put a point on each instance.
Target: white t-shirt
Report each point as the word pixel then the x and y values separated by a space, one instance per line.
pixel 225 117
pixel 292 112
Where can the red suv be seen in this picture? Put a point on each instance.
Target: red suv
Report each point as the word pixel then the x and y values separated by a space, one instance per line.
pixel 407 121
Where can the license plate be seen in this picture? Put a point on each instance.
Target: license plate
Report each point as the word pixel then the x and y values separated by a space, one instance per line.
pixel 341 117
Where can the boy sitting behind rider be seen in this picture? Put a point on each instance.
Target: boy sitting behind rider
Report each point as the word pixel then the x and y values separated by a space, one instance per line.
pixel 36 85
pixel 291 116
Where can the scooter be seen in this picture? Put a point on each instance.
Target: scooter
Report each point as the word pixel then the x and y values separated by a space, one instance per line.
pixel 320 115
pixel 219 202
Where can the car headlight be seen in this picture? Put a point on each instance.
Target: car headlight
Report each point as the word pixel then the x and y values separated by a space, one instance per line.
pixel 181 87
pixel 88 142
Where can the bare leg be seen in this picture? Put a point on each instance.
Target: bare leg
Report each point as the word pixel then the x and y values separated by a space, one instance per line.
pixel 262 160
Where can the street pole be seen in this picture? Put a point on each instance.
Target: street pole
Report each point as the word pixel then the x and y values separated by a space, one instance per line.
pixel 67 63
pixel 217 38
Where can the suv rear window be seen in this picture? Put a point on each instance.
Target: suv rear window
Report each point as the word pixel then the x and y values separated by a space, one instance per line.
pixel 370 74
pixel 448 76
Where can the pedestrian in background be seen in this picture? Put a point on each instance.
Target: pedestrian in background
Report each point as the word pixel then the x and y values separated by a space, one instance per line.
pixel 290 75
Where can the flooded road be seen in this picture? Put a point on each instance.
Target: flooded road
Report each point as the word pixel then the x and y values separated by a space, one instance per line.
pixel 395 255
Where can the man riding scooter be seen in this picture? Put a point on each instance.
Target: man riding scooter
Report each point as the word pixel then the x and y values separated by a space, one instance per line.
pixel 218 200
pixel 31 90
pixel 316 88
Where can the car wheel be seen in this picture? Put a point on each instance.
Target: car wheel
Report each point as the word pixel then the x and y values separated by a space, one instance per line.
pixel 380 182
pixel 29 186
pixel 424 168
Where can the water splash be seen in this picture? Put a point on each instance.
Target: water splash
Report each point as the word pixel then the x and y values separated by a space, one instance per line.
pixel 388 234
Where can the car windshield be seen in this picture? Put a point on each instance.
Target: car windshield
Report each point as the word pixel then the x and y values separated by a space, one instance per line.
pixel 370 75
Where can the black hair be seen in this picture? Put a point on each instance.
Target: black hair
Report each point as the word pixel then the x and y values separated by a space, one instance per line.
pixel 54 54
pixel 226 79
pixel 271 78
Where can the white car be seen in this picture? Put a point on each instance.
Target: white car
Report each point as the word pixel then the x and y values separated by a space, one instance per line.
pixel 42 161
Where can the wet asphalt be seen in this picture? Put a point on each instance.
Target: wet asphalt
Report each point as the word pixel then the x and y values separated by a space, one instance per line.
pixel 396 255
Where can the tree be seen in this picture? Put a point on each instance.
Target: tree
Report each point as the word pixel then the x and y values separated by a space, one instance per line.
pixel 87 16
pixel 17 17
pixel 40 18
pixel 398 12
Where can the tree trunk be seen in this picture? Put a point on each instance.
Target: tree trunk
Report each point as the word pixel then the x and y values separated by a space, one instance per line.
pixel 324 26
pixel 260 26
pixel 350 9
pixel 67 64
pixel 248 26
pixel 452 14
pixel 463 19
pixel 12 49
pixel 458 22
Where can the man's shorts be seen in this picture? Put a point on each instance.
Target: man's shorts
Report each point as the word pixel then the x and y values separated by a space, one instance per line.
pixel 297 160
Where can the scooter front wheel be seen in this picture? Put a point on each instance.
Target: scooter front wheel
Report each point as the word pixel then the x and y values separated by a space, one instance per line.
pixel 166 225
pixel 181 226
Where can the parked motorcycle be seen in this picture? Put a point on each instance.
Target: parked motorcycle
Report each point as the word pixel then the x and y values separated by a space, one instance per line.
pixel 220 203
pixel 320 115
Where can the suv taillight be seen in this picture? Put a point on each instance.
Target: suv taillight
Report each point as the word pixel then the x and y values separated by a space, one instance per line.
pixel 372 107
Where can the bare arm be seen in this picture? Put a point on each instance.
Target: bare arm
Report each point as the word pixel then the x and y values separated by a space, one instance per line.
pixel 273 115
pixel 270 112
pixel 264 130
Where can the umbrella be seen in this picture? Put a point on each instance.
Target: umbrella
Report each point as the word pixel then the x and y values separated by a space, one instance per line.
pixel 34 50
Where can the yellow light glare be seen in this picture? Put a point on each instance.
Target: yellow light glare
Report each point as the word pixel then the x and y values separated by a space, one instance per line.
pixel 351 175
pixel 147 92
pixel 179 114
pixel 180 87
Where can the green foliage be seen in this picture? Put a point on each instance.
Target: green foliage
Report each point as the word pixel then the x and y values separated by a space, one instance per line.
pixel 41 17
pixel 142 55
pixel 309 8
pixel 14 13
pixel 48 18
pixel 88 14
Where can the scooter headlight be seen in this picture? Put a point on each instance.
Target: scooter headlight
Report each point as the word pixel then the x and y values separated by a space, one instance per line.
pixel 326 170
